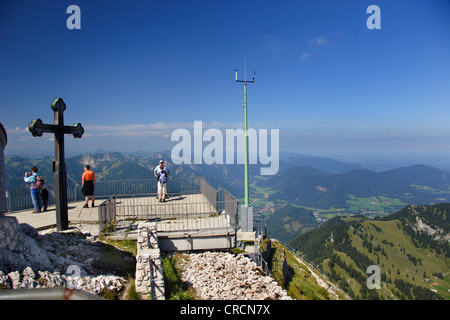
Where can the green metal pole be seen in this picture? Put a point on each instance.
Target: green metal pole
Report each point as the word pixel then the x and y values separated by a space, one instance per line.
pixel 246 145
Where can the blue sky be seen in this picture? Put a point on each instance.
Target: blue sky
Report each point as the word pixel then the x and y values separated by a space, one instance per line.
pixel 137 70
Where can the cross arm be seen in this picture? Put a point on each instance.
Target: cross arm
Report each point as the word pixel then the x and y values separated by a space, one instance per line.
pixel 37 128
pixel 77 130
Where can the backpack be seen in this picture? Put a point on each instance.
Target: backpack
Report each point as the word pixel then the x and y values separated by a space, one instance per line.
pixel 39 182
pixel 163 177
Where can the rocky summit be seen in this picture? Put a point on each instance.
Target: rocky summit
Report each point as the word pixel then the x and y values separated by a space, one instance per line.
pixel 225 276
pixel 74 259
pixel 57 259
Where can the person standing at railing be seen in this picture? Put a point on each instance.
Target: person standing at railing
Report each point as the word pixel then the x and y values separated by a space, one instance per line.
pixel 162 190
pixel 162 185
pixel 88 185
pixel 35 190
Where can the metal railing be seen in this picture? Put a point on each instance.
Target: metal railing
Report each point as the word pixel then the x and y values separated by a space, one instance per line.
pixel 209 192
pixel 192 207
pixel 107 212
pixel 230 206
pixel 19 198
pixel 192 199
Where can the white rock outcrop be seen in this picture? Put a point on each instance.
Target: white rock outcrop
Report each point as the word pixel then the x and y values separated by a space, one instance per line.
pixel 225 276
pixel 55 260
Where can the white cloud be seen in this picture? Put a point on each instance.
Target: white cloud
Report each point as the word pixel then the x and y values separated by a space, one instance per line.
pixel 321 40
pixel 315 43
pixel 305 55
pixel 162 129
pixel 17 130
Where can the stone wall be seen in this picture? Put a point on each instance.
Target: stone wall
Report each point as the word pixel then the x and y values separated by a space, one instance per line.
pixel 149 272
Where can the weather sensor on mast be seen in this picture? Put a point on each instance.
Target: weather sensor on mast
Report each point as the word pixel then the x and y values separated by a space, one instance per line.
pixel 245 74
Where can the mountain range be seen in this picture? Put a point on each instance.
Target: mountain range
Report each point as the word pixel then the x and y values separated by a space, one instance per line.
pixel 109 166
pixel 311 182
pixel 120 166
pixel 390 190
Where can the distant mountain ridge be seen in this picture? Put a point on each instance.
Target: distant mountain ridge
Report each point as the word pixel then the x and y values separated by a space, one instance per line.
pixel 309 187
pixel 108 166
pixel 302 180
pixel 118 166
pixel 319 163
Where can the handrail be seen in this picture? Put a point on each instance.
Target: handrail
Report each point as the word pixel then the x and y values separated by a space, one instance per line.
pixel 47 294
pixel 126 208
pixel 19 198
pixel 106 212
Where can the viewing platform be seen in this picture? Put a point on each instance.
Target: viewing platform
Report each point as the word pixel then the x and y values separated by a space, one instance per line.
pixel 194 217
pixel 47 219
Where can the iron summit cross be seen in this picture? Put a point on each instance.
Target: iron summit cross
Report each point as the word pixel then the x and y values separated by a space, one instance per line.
pixel 37 128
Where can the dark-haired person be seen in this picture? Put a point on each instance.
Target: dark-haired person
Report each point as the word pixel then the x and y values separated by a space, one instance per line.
pixel 88 185
pixel 34 190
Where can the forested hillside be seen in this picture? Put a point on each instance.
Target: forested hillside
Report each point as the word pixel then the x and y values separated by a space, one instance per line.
pixel 411 248
pixel 289 222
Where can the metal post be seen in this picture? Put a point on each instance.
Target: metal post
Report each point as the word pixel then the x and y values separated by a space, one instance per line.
pixel 246 144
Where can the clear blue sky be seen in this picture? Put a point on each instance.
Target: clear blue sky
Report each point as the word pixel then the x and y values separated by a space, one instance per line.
pixel 144 68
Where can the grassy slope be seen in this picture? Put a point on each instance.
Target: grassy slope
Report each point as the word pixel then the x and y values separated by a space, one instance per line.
pixel 388 247
pixel 301 283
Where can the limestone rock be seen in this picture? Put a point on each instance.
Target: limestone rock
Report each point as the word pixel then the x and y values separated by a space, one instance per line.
pixel 220 275
pixel 36 261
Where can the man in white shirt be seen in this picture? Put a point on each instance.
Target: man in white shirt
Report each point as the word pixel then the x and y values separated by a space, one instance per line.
pixel 157 173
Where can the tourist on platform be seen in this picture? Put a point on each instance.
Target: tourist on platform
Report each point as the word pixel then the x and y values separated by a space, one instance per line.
pixel 161 187
pixel 35 189
pixel 88 185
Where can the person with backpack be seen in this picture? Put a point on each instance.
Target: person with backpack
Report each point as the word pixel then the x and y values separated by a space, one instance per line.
pixel 37 183
pixel 162 186
pixel 162 174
